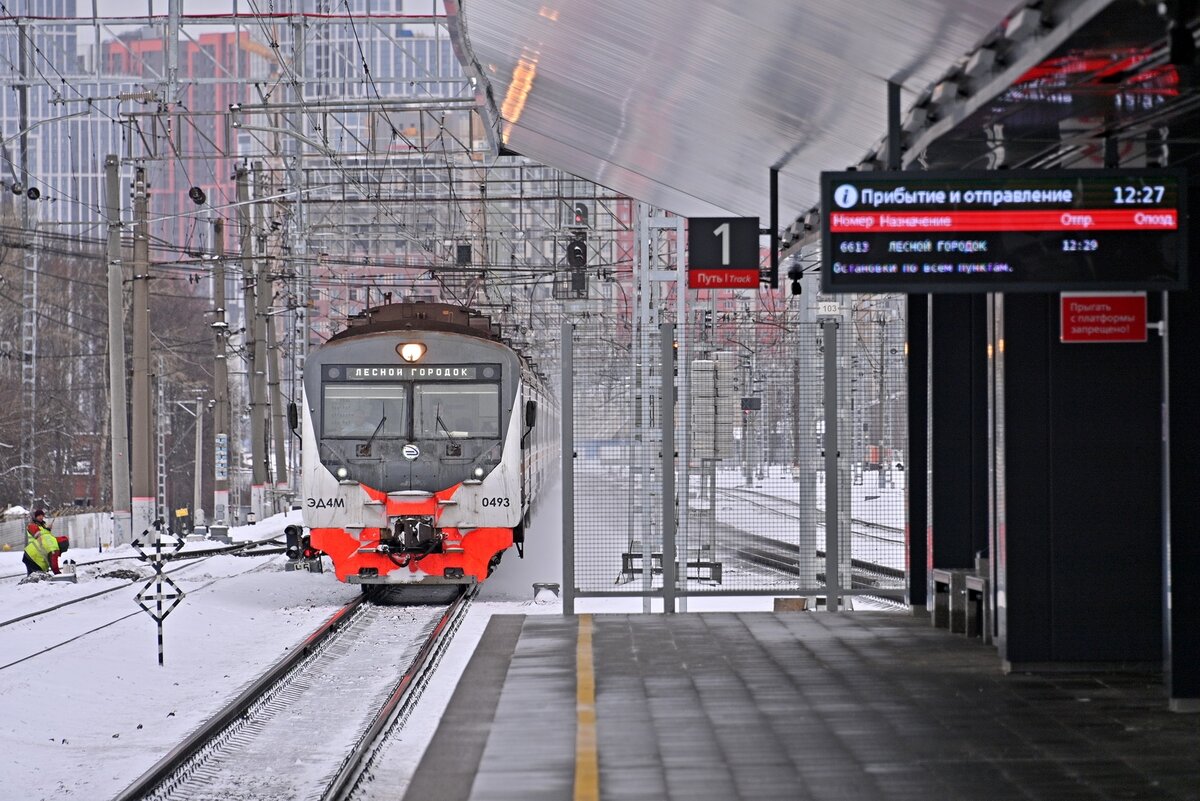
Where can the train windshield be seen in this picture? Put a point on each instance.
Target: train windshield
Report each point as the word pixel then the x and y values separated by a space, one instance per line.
pixel 456 410
pixel 356 410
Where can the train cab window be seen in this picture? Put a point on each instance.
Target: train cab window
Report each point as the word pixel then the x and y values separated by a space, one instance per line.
pixel 456 411
pixel 354 411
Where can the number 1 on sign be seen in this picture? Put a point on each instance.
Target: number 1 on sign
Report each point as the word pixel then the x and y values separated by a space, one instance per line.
pixel 723 232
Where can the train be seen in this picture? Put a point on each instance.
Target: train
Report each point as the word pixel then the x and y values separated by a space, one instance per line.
pixel 426 439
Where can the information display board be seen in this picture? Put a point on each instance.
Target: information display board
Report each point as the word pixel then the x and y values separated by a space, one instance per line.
pixel 1003 231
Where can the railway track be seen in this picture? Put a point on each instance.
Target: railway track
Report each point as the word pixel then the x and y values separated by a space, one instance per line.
pixel 187 561
pixel 75 635
pixel 311 725
pixel 784 557
pixel 860 527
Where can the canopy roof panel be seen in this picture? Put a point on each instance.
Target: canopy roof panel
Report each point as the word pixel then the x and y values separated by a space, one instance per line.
pixel 688 105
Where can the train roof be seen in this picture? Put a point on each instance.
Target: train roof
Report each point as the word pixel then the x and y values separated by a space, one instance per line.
pixel 429 316
pixel 420 316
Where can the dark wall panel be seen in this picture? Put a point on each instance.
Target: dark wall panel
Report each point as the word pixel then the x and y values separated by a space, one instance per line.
pixel 1084 494
pixel 1183 667
pixel 958 453
pixel 1106 440
pixel 1023 569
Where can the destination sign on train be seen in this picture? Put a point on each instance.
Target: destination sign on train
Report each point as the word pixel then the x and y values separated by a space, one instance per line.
pixel 1003 231
pixel 397 372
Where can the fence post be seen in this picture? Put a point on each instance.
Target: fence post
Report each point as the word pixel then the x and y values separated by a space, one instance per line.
pixel 568 467
pixel 829 330
pixel 668 468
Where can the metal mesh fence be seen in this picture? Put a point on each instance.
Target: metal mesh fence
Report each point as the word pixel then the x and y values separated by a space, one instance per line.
pixel 618 466
pixel 750 522
pixel 750 468
pixel 873 400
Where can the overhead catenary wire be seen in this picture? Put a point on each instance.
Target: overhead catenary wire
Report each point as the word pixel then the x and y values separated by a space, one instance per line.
pixel 381 200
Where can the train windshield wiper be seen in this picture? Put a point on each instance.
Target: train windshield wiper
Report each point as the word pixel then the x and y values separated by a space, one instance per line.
pixel 437 416
pixel 382 420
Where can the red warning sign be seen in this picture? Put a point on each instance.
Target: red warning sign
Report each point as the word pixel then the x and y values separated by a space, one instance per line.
pixel 1102 317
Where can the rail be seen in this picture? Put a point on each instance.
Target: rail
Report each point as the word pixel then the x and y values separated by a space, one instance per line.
pixel 180 754
pixel 784 556
pixel 194 558
pixel 231 732
pixel 358 762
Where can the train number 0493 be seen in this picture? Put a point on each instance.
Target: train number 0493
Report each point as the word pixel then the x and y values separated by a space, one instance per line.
pixel 495 502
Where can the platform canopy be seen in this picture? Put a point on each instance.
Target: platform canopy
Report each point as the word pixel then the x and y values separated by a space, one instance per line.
pixel 687 105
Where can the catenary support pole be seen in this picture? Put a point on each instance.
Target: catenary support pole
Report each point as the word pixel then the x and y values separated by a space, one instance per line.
pixel 142 446
pixel 260 419
pixel 198 473
pixel 220 382
pixel 246 263
pixel 122 516
pixel 278 413
pixel 29 282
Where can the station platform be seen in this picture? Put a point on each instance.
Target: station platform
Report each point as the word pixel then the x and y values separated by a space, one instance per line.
pixel 792 705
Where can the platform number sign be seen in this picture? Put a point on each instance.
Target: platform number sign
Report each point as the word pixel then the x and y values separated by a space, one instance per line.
pixel 723 252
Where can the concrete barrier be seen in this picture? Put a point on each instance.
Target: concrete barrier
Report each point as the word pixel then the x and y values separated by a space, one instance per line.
pixel 84 530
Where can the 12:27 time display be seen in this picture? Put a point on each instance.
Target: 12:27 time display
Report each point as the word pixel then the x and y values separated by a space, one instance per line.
pixel 1138 195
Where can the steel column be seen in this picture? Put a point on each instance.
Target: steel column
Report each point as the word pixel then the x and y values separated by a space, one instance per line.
pixel 829 329
pixel 667 349
pixel 567 347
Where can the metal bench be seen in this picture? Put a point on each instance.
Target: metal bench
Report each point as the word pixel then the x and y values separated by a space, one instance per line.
pixel 950 599
pixel 979 607
pixel 699 569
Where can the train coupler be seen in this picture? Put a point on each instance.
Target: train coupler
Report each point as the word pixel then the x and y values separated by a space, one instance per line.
pixel 415 534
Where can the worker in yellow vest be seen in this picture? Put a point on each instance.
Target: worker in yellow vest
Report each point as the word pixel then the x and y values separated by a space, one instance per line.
pixel 41 546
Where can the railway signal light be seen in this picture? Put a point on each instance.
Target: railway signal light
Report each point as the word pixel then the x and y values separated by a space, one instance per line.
pixel 18 189
pixel 577 253
pixel 795 273
pixel 580 215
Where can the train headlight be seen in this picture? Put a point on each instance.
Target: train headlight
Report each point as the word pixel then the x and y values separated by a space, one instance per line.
pixel 342 472
pixel 411 351
pixel 479 472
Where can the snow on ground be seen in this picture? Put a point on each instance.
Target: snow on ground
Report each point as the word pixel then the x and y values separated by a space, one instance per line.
pixel 85 719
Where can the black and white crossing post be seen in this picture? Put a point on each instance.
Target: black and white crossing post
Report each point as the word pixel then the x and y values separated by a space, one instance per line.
pixel 173 594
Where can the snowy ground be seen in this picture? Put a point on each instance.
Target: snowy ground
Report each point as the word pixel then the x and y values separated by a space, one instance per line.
pixel 85 718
